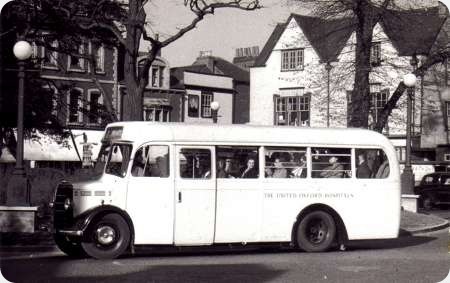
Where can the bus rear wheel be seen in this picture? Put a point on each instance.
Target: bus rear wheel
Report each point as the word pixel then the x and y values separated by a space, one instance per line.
pixel 108 238
pixel 316 232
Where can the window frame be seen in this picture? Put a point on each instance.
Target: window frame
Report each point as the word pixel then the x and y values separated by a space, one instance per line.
pixel 206 98
pixel 80 66
pixel 287 106
pixel 79 114
pixel 292 59
pixel 375 54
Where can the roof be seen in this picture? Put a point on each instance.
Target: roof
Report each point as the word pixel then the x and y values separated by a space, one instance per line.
pixel 270 45
pixel 226 68
pixel 141 132
pixel 412 32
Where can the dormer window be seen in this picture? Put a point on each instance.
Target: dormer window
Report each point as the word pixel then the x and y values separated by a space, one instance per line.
pixel 375 54
pixel 292 59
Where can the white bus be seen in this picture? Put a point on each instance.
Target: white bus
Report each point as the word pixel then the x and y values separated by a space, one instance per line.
pixel 178 184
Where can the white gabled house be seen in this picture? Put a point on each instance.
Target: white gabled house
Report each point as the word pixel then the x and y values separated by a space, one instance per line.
pixel 305 72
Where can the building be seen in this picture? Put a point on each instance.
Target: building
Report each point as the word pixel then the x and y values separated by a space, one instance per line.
pixel 304 74
pixel 240 83
pixel 202 87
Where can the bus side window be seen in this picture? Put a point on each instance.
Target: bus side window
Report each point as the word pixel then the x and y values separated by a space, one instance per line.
pixel 195 163
pixel 371 163
pixel 151 161
pixel 331 162
pixel 285 162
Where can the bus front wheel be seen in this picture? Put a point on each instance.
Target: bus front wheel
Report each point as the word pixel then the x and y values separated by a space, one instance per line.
pixel 316 232
pixel 108 238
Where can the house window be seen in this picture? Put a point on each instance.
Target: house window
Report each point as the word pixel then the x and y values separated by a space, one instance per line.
pixel 375 54
pixel 99 56
pixel 50 57
pixel 95 102
pixel 193 106
pixel 157 113
pixel 74 105
pixel 206 104
pixel 379 99
pixel 292 59
pixel 447 113
pixel 292 110
pixel 76 63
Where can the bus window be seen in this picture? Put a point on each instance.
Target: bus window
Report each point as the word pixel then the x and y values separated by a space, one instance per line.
pixel 151 161
pixel 118 160
pixel 331 162
pixel 195 163
pixel 237 162
pixel 371 163
pixel 285 162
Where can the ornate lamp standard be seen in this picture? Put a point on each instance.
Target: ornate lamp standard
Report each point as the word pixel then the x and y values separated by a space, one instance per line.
pixel 17 193
pixel 407 176
pixel 215 106
pixel 328 68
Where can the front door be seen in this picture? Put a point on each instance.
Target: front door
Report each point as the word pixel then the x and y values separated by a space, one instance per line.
pixel 195 195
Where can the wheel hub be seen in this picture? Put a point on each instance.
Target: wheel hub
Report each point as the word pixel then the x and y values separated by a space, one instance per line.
pixel 105 235
pixel 317 232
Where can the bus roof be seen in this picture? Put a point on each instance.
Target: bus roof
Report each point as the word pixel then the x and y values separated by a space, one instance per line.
pixel 140 132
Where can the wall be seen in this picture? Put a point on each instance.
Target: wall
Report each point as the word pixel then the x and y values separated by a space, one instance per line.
pixel 266 81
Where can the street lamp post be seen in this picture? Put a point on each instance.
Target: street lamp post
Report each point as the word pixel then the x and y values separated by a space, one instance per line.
pixel 328 69
pixel 215 106
pixel 407 176
pixel 17 191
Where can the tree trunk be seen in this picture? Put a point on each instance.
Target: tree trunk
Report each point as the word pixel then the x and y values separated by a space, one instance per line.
pixel 133 99
pixel 360 97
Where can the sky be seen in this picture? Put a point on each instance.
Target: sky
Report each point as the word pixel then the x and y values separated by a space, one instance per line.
pixel 224 31
pixel 220 33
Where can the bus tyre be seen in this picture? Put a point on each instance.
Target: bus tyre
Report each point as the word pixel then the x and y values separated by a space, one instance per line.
pixel 108 237
pixel 70 248
pixel 316 232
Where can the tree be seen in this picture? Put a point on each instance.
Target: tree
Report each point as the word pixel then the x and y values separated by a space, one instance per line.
pixel 366 15
pixel 110 22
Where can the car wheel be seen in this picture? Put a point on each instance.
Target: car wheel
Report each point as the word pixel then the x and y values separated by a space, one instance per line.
pixel 316 232
pixel 108 238
pixel 70 248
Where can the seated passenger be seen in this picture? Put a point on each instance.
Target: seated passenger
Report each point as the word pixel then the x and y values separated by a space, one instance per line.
pixel 250 171
pixel 334 170
pixel 363 171
pixel 279 171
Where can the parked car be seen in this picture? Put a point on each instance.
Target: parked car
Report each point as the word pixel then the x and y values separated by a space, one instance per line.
pixel 434 190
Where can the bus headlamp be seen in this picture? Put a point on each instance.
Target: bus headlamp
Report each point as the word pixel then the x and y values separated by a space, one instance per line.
pixel 67 204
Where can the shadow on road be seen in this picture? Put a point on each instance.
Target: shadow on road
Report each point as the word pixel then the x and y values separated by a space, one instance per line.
pixel 401 242
pixel 57 269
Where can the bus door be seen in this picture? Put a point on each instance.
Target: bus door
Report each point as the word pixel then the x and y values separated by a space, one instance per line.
pixel 150 194
pixel 195 199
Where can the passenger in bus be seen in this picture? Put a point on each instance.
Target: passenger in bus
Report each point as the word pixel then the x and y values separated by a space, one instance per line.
pixel 279 171
pixel 363 171
pixel 224 168
pixel 300 170
pixel 334 170
pixel 249 171
pixel 383 170
pixel 138 165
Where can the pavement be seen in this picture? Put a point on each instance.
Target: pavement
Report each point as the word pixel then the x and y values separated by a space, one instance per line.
pixel 410 224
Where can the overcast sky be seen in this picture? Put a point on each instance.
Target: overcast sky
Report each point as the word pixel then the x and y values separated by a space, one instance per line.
pixel 220 33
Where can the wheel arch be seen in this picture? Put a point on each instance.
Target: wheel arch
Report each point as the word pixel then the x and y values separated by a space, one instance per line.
pixel 342 236
pixel 93 214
